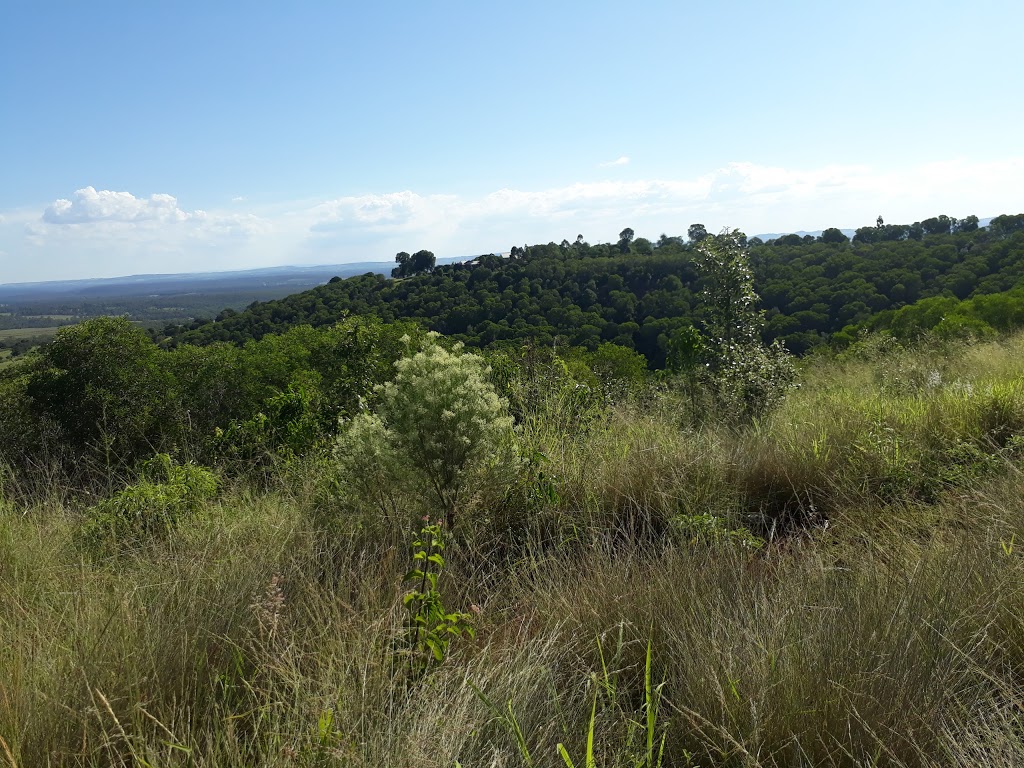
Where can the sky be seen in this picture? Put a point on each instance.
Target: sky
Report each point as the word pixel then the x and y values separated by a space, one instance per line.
pixel 196 136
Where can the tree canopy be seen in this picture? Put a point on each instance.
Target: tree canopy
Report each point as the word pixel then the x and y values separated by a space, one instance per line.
pixel 416 264
pixel 575 293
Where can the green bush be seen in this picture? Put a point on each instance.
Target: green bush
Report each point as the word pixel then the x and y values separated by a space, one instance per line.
pixel 103 384
pixel 290 424
pixel 150 509
pixel 371 480
pixel 541 385
pixel 616 372
pixel 440 419
pixel 749 381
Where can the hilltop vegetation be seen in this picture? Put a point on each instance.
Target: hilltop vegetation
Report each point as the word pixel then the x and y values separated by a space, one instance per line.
pixel 102 396
pixel 638 294
pixel 363 544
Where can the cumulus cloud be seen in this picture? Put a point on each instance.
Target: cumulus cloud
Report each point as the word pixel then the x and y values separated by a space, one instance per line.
pixel 618 161
pixel 394 209
pixel 755 197
pixel 96 233
pixel 579 197
pixel 89 205
pixel 366 219
pixel 104 213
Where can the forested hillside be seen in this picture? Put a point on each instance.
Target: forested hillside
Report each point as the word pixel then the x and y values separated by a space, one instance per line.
pixel 637 293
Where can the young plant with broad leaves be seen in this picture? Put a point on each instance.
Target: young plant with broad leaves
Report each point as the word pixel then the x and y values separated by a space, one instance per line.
pixel 431 626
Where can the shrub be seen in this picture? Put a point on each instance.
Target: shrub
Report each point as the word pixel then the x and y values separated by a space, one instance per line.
pixel 540 385
pixel 289 425
pixel 431 627
pixel 369 478
pixel 745 378
pixel 445 418
pixel 748 381
pixel 616 371
pixel 150 509
pixel 439 417
pixel 102 382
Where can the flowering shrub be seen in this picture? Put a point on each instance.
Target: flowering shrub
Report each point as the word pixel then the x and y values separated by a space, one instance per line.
pixel 745 378
pixel 440 418
pixel 370 471
pixel 748 381
pixel 445 418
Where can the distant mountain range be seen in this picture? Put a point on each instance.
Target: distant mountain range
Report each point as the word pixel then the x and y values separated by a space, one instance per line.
pixel 293 278
pixel 814 233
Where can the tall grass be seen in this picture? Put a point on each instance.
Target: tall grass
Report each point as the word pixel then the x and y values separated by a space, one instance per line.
pixel 230 647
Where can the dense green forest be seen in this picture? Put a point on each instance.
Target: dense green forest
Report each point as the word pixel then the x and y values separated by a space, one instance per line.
pixel 637 293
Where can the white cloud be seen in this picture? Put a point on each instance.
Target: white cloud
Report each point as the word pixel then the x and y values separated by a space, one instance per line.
pixel 93 213
pixel 89 205
pixel 105 232
pixel 396 209
pixel 618 161
pixel 105 214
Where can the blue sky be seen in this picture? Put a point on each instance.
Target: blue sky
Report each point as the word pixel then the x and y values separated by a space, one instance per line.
pixel 165 137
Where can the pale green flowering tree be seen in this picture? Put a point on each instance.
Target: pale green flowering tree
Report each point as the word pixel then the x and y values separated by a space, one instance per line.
pixel 445 418
pixel 439 418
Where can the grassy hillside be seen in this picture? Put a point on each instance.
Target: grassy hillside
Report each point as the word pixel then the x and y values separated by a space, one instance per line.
pixel 836 583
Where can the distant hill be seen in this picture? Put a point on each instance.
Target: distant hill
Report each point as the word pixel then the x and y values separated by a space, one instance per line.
pixel 583 294
pixel 290 277
pixel 171 298
pixel 801 233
